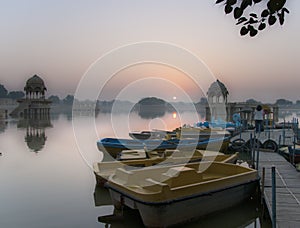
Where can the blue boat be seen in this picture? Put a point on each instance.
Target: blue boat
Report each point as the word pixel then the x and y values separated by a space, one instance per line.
pixel 114 146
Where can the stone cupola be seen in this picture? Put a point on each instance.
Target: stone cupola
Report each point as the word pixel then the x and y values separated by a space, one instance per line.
pixel 35 87
pixel 217 93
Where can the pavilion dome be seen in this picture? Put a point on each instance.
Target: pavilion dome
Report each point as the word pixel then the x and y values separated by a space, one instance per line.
pixel 35 85
pixel 217 88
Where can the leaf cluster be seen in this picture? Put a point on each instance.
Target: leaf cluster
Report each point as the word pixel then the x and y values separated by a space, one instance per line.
pixel 253 23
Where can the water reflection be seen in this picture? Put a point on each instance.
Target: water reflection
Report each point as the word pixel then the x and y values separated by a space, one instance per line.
pixel 242 215
pixel 67 190
pixel 35 137
pixel 130 218
pixel 101 197
pixel 3 125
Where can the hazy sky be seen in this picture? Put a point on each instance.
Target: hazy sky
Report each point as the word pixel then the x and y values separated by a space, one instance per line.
pixel 60 39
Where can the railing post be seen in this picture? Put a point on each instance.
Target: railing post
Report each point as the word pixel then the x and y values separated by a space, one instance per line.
pixel 283 136
pixel 294 149
pixel 263 185
pixel 273 197
pixel 257 155
pixel 252 150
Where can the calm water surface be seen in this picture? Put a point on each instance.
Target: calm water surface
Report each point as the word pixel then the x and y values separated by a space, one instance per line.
pixel 46 179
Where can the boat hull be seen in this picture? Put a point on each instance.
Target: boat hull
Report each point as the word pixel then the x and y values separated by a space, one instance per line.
pixel 115 146
pixel 185 209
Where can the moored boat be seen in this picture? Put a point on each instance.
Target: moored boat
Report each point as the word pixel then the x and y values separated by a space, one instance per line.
pixel 114 146
pixel 136 158
pixel 200 133
pixel 294 154
pixel 154 134
pixel 298 167
pixel 181 132
pixel 166 196
pixel 291 154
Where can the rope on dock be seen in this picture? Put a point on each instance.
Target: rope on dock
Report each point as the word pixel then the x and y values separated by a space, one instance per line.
pixel 284 183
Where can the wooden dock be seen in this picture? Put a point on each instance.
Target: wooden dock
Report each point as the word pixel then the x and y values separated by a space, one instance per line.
pixel 287 189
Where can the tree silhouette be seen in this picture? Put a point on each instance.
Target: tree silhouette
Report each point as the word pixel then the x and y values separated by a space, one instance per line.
pixel 3 91
pixel 55 99
pixel 273 12
pixel 68 100
pixel 151 107
pixel 282 101
pixel 16 95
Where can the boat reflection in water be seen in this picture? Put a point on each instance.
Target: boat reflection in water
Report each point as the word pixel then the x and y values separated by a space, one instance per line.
pixel 245 214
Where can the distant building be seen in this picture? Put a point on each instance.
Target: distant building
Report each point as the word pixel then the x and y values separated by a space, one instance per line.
pixel 218 106
pixel 6 106
pixel 7 102
pixel 34 104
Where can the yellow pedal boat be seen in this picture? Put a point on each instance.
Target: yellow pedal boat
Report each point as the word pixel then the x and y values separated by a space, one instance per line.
pixel 140 158
pixel 171 195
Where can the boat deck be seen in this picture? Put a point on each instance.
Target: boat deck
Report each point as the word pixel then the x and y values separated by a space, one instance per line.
pixel 287 189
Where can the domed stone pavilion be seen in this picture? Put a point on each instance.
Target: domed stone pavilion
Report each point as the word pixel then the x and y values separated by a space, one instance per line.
pixel 219 108
pixel 217 93
pixel 34 105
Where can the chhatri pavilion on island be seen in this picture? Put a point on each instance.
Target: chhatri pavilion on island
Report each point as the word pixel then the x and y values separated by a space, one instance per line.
pixel 34 105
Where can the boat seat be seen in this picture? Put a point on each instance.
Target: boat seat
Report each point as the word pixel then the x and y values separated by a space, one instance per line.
pixel 181 176
pixel 133 177
pixel 153 185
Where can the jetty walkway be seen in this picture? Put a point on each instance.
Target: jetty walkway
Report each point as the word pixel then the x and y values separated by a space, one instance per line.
pixel 287 189
pixel 285 181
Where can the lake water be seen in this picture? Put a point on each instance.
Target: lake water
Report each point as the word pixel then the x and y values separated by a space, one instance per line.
pixel 46 179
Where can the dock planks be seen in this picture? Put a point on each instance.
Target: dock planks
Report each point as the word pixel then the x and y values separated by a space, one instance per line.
pixel 287 189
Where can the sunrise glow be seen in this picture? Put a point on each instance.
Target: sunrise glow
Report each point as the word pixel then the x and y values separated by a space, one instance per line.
pixel 174 115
